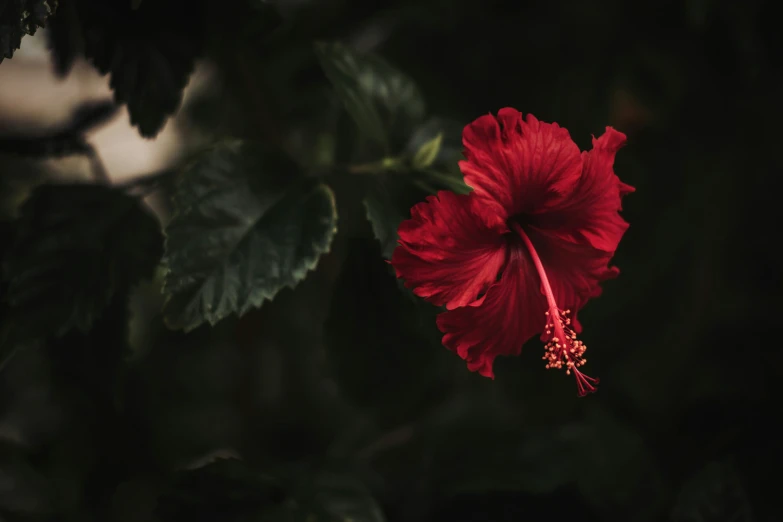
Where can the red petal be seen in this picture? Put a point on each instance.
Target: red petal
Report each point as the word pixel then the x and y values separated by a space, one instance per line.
pixel 511 312
pixel 518 166
pixel 446 253
pixel 574 270
pixel 590 214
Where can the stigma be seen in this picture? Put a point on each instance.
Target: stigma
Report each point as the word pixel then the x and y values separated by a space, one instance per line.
pixel 564 350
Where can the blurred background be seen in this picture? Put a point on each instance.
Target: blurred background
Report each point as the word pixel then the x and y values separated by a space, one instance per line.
pixel 344 375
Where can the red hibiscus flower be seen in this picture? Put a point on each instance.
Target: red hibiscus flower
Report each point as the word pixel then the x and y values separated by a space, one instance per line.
pixel 526 249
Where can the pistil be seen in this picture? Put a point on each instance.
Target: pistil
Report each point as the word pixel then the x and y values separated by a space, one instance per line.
pixel 563 349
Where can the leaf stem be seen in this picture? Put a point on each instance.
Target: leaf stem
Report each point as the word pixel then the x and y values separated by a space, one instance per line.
pixel 374 167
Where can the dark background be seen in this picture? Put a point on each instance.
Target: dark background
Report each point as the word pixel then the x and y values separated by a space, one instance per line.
pixel 345 372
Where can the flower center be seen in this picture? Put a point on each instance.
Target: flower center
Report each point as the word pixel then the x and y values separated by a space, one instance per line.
pixel 562 347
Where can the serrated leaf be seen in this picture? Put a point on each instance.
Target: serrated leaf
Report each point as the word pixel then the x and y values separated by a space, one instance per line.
pixel 75 247
pixel 384 102
pixel 19 18
pixel 427 153
pixel 243 229
pixel 149 52
pixel 64 38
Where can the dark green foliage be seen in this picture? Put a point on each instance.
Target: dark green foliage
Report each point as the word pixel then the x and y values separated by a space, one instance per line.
pixel 243 229
pixel 230 490
pixel 21 17
pixel 383 101
pixel 148 51
pixel 239 357
pixel 396 378
pixel 64 38
pixel 391 195
pixel 149 73
pixel 75 247
pixel 387 107
pixel 388 203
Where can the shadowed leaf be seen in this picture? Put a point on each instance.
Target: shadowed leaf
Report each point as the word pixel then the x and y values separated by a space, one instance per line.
pixel 243 229
pixel 149 52
pixel 19 18
pixel 229 490
pixel 384 102
pixel 361 359
pixel 75 247
pixel 391 194
pixel 64 38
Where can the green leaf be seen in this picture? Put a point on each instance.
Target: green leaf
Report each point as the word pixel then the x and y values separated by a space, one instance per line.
pixel 392 193
pixel 384 102
pixel 427 153
pixel 149 52
pixel 388 203
pixel 449 151
pixel 229 490
pixel 391 196
pixel 243 229
pixel 75 247
pixel 19 18
pixel 443 172
pixel 368 339
pixel 64 38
